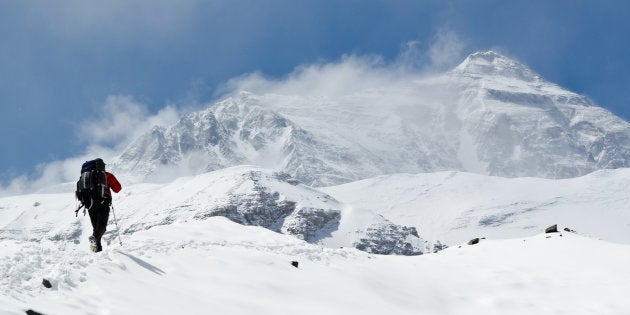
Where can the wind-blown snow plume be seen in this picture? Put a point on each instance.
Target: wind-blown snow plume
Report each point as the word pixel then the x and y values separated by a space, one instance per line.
pixel 349 75
pixel 446 50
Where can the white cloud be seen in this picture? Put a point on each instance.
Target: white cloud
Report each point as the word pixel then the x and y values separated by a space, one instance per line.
pixel 121 120
pixel 53 173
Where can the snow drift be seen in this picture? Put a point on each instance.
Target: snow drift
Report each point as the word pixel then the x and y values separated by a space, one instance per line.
pixel 223 267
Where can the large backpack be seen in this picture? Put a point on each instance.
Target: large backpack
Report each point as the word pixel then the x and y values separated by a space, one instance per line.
pixel 92 184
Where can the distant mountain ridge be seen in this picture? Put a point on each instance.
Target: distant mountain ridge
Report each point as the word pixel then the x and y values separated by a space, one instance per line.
pixel 489 115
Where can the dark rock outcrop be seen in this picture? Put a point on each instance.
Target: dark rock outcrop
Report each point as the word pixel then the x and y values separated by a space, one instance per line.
pixel 473 241
pixel 388 239
pixel 552 229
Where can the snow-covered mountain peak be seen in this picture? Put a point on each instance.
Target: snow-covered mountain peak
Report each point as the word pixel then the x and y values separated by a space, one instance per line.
pixel 490 63
pixel 490 115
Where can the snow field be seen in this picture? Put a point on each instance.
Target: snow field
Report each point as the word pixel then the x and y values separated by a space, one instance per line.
pixel 221 267
pixel 454 207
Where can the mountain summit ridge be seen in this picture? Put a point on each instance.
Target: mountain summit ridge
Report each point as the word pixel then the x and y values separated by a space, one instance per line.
pixel 493 63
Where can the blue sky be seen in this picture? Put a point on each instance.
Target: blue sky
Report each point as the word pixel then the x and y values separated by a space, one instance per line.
pixel 61 62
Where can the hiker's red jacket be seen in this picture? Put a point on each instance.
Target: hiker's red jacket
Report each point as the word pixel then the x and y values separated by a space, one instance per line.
pixel 112 183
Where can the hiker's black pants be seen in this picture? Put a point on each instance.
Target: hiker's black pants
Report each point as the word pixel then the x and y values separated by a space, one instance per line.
pixel 99 214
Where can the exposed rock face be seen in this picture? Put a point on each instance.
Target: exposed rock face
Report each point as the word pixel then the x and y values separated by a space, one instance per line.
pixel 311 224
pixel 234 132
pixel 263 208
pixel 473 241
pixel 388 239
pixel 438 246
pixel 552 229
pixel 259 208
pixel 266 209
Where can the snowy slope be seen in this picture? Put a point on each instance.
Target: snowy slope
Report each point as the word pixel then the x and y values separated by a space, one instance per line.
pixel 217 266
pixel 453 206
pixel 244 194
pixel 177 257
pixel 490 115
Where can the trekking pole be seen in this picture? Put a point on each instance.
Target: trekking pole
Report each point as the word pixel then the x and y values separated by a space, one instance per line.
pixel 117 228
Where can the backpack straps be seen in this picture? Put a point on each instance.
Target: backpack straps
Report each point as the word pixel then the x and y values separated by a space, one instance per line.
pixel 81 205
pixel 76 212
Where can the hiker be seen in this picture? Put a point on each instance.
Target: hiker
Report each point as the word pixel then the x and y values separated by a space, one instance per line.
pixel 94 191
